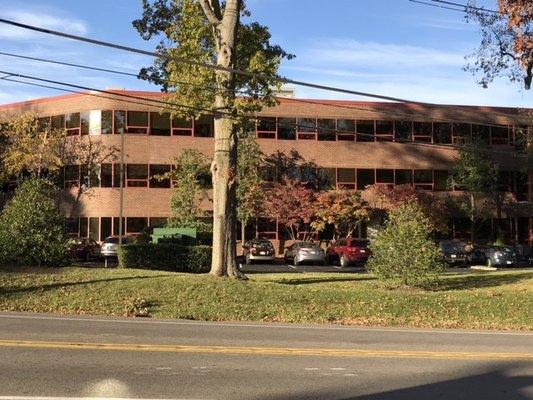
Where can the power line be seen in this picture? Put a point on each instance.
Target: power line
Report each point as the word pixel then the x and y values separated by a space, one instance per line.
pixel 437 6
pixel 254 118
pixel 466 6
pixel 206 65
pixel 350 107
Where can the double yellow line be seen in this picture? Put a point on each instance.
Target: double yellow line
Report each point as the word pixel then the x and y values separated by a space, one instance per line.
pixel 281 351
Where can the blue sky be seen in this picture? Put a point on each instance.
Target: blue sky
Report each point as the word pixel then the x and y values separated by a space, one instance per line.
pixel 391 47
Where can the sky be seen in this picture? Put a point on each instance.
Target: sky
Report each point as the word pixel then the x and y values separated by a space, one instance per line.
pixel 389 47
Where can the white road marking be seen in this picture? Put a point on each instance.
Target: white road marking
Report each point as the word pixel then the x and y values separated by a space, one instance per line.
pixel 349 374
pixel 338 369
pixel 163 368
pixel 263 326
pixel 311 369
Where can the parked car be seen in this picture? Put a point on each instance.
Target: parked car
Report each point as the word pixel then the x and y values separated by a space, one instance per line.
pixel 477 256
pixel 453 252
pixel 499 256
pixel 348 251
pixel 84 248
pixel 109 247
pixel 301 252
pixel 524 255
pixel 258 250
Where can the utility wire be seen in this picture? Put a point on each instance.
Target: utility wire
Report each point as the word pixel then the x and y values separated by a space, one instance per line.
pixel 206 65
pixel 437 5
pixel 254 118
pixel 350 107
pixel 466 6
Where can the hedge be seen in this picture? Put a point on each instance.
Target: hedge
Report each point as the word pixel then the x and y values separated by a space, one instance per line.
pixel 166 257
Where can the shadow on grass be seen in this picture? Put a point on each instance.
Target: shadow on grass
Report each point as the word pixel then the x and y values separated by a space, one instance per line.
pixel 307 281
pixel 475 281
pixel 58 285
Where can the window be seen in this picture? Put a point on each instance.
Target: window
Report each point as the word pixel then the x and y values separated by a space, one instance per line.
pixel 504 181
pixel 135 224
pixel 72 124
pixel 521 186
pixel 423 179
pixel 403 131
pixel 73 226
pixel 346 129
pixel 85 122
pixel 440 180
pixel 203 126
pixel 384 130
pixel 119 122
pixel 482 132
pixel 306 128
pixel 461 132
pixel 158 222
pixel 159 124
pixel 116 175
pixel 442 132
pixel 403 177
pixel 365 177
pixel 326 129
pixel 43 124
pixel 365 130
pixel 287 128
pixel 105 227
pixel 58 122
pixel 327 178
pixel 72 176
pixel 158 170
pixel 84 227
pixel 266 128
pixel 107 122
pixel 137 175
pixel 182 127
pixel 422 131
pixel 106 175
pixel 116 226
pixel 94 228
pixel 137 122
pixel 385 176
pixel 499 135
pixel 346 178
pixel 90 178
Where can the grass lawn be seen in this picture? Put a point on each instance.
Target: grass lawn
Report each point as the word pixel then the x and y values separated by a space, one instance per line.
pixel 497 300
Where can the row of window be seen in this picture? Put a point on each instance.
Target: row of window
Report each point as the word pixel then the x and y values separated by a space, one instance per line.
pixel 150 175
pixel 95 122
pixel 99 228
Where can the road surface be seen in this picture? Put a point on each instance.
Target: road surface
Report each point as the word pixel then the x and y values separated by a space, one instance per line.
pixel 49 356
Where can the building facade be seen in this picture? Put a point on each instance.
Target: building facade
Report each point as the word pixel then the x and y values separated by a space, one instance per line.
pixel 351 144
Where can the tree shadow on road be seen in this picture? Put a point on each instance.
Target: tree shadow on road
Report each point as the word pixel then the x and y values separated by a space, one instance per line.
pixel 473 281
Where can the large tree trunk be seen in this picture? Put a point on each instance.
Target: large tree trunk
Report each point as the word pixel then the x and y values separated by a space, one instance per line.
pixel 224 165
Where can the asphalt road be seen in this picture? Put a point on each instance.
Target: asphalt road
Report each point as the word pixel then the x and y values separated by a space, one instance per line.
pixel 91 357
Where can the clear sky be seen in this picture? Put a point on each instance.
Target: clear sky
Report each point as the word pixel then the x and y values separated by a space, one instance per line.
pixel 392 47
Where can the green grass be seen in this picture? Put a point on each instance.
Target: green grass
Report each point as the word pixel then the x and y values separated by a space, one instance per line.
pixel 498 300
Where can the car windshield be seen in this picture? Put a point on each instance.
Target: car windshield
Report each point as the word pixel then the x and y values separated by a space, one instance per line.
pixel 450 247
pixel 261 245
pixel 111 240
pixel 359 243
pixel 306 245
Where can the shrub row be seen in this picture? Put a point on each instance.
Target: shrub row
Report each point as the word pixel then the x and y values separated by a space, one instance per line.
pixel 166 257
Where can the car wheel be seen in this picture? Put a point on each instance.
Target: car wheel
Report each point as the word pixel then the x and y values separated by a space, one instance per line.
pixel 295 261
pixel 343 262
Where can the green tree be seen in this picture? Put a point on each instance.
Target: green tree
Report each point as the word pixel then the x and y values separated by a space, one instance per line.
pixel 477 175
pixel 250 190
pixel 189 176
pixel 208 31
pixel 32 228
pixel 403 252
pixel 32 147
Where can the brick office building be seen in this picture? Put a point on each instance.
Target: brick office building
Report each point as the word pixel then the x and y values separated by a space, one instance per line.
pixel 354 144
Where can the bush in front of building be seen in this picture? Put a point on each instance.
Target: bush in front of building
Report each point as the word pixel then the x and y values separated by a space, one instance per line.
pixel 32 228
pixel 403 252
pixel 165 257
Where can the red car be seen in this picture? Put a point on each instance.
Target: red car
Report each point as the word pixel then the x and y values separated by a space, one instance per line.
pixel 348 251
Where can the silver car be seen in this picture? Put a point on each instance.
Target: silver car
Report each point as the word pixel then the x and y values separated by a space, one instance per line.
pixel 301 252
pixel 110 245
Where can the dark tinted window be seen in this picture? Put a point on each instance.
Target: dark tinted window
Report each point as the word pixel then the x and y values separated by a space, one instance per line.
pixel 159 124
pixel 287 128
pixel 365 177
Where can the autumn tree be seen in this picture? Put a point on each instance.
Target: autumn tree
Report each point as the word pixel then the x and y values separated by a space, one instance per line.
pixel 202 32
pixel 343 209
pixel 506 46
pixel 32 147
pixel 477 175
pixel 382 197
pixel 250 190
pixel 293 204
pixel 190 178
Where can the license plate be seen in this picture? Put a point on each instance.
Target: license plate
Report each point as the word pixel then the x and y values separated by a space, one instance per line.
pixel 509 262
pixel 262 253
pixel 453 256
pixel 362 251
